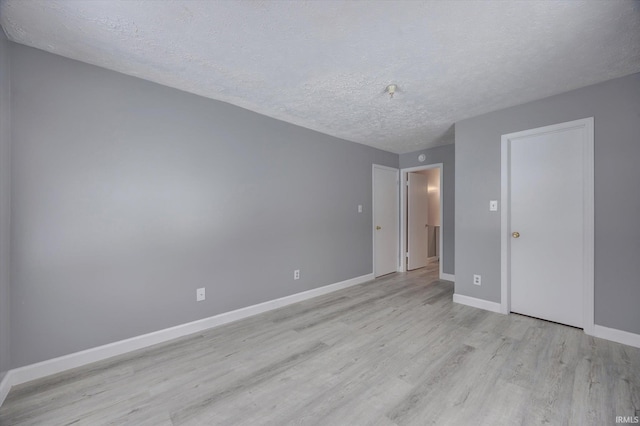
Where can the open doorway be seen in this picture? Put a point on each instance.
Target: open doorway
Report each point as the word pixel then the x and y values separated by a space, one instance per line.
pixel 421 212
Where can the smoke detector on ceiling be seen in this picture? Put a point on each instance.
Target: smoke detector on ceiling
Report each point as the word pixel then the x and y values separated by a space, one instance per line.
pixel 391 90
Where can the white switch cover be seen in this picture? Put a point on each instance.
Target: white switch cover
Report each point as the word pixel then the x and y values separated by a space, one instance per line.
pixel 200 294
pixel 359 208
pixel 493 205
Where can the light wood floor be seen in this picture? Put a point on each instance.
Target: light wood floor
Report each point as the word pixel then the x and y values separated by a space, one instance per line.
pixel 395 351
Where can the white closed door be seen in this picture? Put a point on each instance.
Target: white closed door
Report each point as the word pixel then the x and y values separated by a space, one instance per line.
pixel 547 219
pixel 417 219
pixel 385 220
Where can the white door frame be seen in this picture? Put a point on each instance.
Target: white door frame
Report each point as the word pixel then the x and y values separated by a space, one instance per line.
pixel 373 212
pixel 403 214
pixel 588 229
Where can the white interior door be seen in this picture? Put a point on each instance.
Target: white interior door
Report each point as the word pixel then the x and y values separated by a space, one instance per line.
pixel 385 220
pixel 417 220
pixel 547 222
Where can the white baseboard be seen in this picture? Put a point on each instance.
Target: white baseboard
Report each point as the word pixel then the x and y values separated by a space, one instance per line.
pixel 618 336
pixel 448 277
pixel 5 386
pixel 78 359
pixel 476 303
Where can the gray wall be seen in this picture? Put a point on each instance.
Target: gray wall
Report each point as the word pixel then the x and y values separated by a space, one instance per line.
pixel 129 195
pixel 5 198
pixel 444 154
pixel 615 106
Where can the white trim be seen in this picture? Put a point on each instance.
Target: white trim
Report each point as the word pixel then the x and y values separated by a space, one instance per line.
pixel 5 386
pixel 476 303
pixel 589 230
pixel 505 241
pixel 380 166
pixel 403 214
pixel 616 335
pixel 78 359
pixel 588 213
pixel 448 277
pixel 373 214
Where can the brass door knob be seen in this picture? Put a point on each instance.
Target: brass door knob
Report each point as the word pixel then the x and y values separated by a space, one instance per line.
pixel 516 235
pixel 378 228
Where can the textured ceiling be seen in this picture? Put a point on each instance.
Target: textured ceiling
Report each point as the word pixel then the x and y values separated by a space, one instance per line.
pixel 324 64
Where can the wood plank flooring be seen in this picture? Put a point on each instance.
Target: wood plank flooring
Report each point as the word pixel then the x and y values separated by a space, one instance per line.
pixel 395 351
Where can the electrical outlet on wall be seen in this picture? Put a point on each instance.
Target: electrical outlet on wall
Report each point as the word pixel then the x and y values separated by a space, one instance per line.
pixel 477 280
pixel 200 296
pixel 296 274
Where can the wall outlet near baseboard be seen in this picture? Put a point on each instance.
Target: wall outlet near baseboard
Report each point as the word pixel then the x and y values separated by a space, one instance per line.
pixel 296 274
pixel 200 296
pixel 477 280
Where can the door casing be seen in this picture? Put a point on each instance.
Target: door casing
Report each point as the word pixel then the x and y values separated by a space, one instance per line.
pixel 588 214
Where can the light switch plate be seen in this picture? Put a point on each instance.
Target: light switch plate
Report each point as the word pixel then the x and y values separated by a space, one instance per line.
pixel 359 208
pixel 493 205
